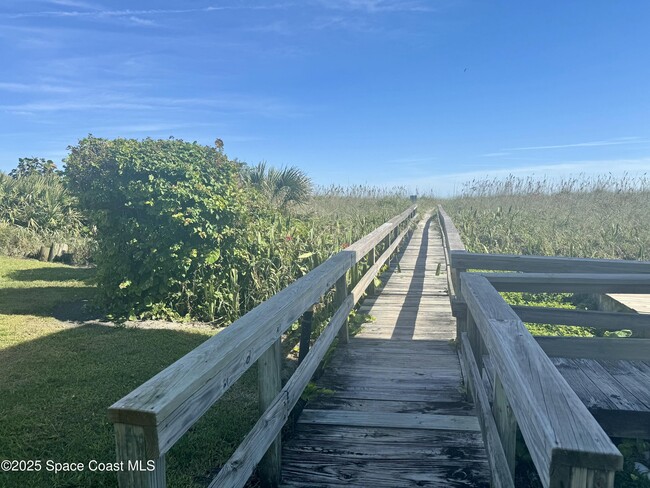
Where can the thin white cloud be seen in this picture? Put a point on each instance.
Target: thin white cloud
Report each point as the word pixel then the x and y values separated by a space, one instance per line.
pixel 376 6
pixel 236 103
pixel 74 4
pixel 32 88
pixel 607 142
pixel 494 154
pixel 140 21
pixel 107 13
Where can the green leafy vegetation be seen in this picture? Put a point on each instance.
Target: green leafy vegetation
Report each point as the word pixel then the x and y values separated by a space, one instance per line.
pixel 281 187
pixel 37 210
pixel 174 226
pixel 183 232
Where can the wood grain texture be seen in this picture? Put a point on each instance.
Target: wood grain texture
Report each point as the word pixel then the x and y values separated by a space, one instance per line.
pixel 555 424
pixel 269 368
pixel 570 282
pixel 502 471
pixel 359 456
pixel 390 420
pixel 615 392
pixel 545 264
pixel 134 443
pixel 638 323
pixel 595 347
pixel 239 467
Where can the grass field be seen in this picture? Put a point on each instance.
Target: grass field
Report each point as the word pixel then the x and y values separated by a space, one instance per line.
pixel 58 378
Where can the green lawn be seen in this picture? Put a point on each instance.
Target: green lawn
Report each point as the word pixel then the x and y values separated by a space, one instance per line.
pixel 58 377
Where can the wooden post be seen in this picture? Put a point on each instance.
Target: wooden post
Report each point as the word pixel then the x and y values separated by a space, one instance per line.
pixel 455 280
pixel 474 335
pixel 506 424
pixel 43 253
pixel 305 333
pixel 354 275
pixel 387 241
pixel 269 385
pixel 339 298
pixel 371 262
pixel 133 444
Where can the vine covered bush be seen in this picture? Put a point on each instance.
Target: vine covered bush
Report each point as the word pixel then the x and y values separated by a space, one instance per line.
pixel 172 220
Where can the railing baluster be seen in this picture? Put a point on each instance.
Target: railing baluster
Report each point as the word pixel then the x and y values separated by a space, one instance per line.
pixel 133 444
pixel 339 298
pixel 305 333
pixel 371 262
pixel 506 424
pixel 269 384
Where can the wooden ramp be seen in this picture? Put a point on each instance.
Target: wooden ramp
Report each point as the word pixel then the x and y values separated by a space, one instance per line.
pixel 392 412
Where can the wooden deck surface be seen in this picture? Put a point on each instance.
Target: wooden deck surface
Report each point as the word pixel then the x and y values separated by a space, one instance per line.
pixel 392 412
pixel 632 302
pixel 615 391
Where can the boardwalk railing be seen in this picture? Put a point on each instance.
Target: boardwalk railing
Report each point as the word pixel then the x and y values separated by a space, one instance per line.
pixel 514 383
pixel 153 417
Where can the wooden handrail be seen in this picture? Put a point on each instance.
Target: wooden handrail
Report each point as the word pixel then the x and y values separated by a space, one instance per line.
pixel 452 243
pixel 609 348
pixel 150 420
pixel 570 282
pixel 451 235
pixel 545 264
pixel 638 323
pixel 565 441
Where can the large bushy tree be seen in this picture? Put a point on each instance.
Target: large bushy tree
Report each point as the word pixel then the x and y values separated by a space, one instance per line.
pixel 171 221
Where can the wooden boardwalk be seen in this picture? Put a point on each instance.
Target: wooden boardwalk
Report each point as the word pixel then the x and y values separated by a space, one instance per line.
pixel 392 412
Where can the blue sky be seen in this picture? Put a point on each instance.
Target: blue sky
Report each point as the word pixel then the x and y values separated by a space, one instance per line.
pixel 419 93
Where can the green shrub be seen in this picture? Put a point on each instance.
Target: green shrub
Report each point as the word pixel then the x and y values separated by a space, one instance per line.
pixel 38 202
pixel 172 223
pixel 37 210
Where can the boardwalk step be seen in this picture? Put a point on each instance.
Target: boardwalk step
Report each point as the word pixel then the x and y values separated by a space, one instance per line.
pixel 389 420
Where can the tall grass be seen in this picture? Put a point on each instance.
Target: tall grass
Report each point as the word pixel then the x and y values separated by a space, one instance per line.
pixel 592 217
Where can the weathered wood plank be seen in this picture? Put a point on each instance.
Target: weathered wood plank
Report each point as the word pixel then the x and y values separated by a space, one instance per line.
pixel 322 469
pixel 390 420
pixel 639 324
pixel 502 475
pixel 452 236
pixel 619 412
pixel 555 424
pixel 595 347
pixel 570 282
pixel 381 457
pixel 545 264
pixel 136 444
pixel 443 407
pixel 269 368
pixel 506 424
pixel 241 464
